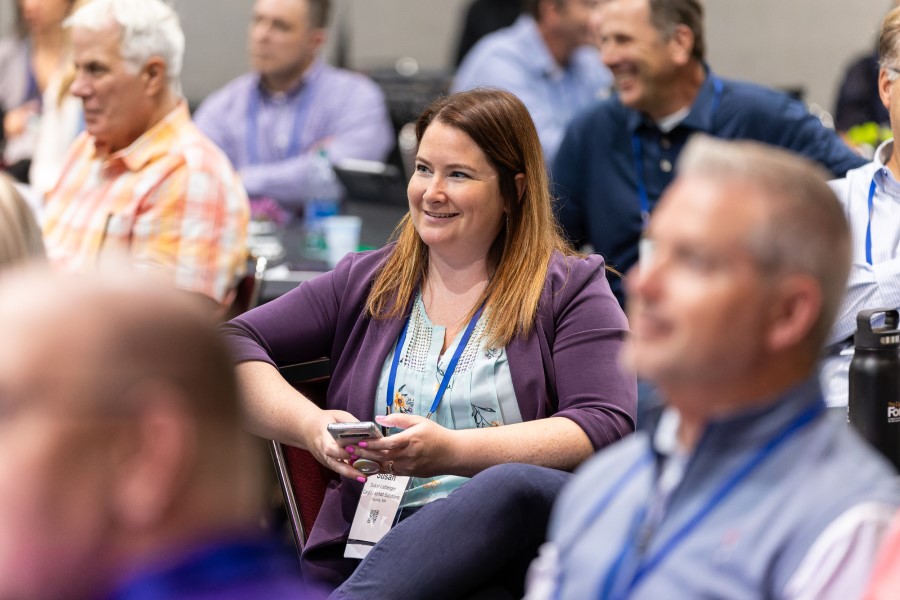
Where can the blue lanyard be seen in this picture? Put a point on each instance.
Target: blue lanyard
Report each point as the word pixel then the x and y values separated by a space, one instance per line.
pixel 301 112
pixel 639 169
pixel 451 368
pixel 638 153
pixel 630 549
pixel 869 225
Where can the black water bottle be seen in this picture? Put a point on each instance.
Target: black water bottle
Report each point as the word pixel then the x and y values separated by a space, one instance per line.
pixel 875 382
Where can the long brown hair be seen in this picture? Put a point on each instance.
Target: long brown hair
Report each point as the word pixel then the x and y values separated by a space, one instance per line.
pixel 500 125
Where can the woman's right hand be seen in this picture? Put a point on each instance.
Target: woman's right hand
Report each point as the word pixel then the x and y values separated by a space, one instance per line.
pixel 325 449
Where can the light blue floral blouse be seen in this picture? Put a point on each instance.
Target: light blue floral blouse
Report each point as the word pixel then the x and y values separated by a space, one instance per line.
pixel 480 393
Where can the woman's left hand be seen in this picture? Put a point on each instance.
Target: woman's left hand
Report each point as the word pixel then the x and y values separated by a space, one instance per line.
pixel 422 449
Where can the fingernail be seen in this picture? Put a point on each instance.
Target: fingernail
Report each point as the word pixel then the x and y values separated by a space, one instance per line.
pixel 361 479
pixel 363 445
pixel 350 449
pixel 354 457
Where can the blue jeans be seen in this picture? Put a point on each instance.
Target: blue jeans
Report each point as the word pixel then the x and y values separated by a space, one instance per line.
pixel 476 543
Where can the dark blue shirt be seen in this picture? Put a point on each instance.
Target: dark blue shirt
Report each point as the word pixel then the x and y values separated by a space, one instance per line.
pixel 241 569
pixel 595 174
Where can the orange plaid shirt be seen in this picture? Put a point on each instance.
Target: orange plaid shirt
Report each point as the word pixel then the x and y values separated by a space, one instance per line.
pixel 171 200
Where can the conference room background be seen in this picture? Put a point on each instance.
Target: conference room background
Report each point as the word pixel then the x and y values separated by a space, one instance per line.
pixel 793 44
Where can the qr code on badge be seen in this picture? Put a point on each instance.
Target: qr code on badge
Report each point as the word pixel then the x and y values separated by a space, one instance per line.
pixel 373 516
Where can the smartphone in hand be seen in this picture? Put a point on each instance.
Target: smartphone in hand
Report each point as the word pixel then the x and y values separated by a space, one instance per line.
pixel 353 433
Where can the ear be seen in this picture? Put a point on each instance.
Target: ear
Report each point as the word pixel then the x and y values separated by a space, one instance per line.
pixel 885 87
pixel 520 185
pixel 155 75
pixel 681 44
pixel 548 9
pixel 317 38
pixel 795 308
pixel 157 460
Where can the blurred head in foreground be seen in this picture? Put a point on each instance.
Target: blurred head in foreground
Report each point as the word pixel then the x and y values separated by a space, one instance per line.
pixel 742 270
pixel 120 436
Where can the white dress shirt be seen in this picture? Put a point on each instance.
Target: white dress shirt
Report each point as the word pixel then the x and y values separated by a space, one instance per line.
pixel 869 286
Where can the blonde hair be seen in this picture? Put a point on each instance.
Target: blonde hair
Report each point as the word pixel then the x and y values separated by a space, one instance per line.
pixel 20 236
pixel 889 42
pixel 501 127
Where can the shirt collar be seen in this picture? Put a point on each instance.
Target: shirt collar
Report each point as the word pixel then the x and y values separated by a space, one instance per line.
pixel 541 59
pixel 883 176
pixel 743 428
pixel 665 436
pixel 667 124
pixel 313 69
pixel 153 143
pixel 700 116
pixel 883 152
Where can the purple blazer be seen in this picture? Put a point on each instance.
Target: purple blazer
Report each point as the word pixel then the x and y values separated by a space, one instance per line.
pixel 566 367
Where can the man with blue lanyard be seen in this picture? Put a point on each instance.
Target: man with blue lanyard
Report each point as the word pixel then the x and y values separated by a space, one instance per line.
pixel 617 158
pixel 273 122
pixel 871 199
pixel 746 487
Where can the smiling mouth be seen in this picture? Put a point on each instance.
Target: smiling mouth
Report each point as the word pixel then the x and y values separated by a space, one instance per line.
pixel 440 215
pixel 624 78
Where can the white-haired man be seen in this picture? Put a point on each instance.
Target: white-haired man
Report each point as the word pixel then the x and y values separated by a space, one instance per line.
pixel 142 180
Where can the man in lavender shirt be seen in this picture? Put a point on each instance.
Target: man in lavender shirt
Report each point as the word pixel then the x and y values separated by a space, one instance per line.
pixel 273 122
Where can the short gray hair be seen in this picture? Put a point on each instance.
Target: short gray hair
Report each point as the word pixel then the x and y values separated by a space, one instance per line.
pixel 149 28
pixel 667 15
pixel 806 230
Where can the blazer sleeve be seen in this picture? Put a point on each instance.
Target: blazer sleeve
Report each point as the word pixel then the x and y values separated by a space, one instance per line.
pixel 589 330
pixel 306 323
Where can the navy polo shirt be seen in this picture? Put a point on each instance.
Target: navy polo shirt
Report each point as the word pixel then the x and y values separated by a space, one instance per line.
pixel 595 176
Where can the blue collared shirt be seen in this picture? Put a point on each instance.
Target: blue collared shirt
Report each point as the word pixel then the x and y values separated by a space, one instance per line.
pixel 594 171
pixel 346 115
pixel 517 59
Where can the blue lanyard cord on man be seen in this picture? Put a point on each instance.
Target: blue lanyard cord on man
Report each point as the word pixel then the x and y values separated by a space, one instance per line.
pixel 301 113
pixel 631 566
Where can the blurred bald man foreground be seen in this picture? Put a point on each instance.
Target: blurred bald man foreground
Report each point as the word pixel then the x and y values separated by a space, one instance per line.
pixel 744 488
pixel 124 470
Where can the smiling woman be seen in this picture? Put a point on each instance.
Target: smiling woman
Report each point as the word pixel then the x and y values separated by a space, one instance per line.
pixel 455 202
pixel 477 338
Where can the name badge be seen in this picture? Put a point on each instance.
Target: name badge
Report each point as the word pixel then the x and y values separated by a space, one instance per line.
pixel 375 513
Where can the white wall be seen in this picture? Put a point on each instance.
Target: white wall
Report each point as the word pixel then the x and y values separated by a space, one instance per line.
pixel 376 34
pixel 785 43
pixel 792 43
